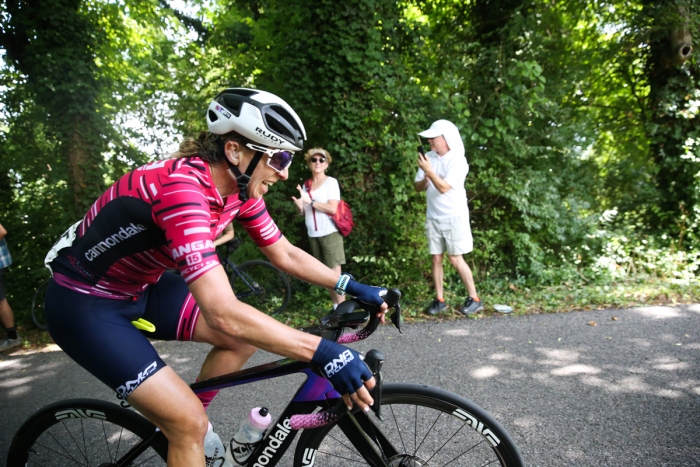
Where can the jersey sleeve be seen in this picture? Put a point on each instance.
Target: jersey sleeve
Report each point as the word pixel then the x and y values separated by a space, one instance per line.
pixel 183 212
pixel 254 217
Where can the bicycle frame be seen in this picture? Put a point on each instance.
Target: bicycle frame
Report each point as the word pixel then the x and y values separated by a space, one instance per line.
pixel 314 393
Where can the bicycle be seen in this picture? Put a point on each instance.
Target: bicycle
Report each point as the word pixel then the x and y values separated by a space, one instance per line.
pixel 413 425
pixel 257 283
pixel 38 316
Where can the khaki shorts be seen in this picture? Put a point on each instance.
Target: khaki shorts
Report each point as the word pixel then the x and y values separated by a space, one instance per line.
pixel 328 249
pixel 452 235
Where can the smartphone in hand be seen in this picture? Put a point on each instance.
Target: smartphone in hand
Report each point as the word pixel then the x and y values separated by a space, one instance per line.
pixel 421 151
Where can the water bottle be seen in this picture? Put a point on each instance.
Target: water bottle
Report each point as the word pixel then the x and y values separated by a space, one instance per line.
pixel 214 452
pixel 250 433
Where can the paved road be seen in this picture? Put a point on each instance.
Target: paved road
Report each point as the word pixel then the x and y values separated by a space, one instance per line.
pixel 624 392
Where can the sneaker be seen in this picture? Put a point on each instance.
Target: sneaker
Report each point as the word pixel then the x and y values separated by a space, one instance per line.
pixel 8 343
pixel 471 306
pixel 436 307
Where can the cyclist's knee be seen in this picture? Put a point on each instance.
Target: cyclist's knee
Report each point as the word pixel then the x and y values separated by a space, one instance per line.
pixel 187 426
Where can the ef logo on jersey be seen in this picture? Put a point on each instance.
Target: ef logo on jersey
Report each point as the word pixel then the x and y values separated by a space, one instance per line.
pixel 194 258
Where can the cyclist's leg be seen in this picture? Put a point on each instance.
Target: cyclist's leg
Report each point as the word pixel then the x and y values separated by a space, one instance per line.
pixel 173 310
pixel 184 423
pixel 97 333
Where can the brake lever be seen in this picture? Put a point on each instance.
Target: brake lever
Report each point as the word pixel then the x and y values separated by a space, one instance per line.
pixel 392 298
pixel 374 360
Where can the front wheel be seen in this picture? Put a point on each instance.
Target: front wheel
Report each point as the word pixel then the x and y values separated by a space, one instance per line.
pixel 262 286
pixel 87 432
pixel 422 427
pixel 38 315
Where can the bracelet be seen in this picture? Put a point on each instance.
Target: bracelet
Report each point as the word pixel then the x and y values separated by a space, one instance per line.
pixel 342 284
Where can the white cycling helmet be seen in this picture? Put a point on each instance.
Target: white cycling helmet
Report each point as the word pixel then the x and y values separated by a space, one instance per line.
pixel 257 115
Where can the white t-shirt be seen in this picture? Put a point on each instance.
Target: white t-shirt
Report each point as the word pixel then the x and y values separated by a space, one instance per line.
pixel 324 225
pixel 453 169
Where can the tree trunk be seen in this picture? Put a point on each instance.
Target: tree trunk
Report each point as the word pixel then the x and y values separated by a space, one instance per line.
pixel 671 79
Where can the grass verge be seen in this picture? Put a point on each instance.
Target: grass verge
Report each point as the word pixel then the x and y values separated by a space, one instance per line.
pixel 524 300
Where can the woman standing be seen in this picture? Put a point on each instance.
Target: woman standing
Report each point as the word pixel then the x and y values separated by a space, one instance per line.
pixel 318 202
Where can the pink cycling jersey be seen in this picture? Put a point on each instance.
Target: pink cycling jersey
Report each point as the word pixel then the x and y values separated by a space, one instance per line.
pixel 164 215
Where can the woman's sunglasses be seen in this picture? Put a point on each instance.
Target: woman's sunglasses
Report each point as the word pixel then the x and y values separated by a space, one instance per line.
pixel 322 160
pixel 279 159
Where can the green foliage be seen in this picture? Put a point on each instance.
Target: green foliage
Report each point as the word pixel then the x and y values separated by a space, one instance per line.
pixel 565 117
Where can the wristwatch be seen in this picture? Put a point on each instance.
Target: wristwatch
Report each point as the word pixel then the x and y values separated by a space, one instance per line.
pixel 311 203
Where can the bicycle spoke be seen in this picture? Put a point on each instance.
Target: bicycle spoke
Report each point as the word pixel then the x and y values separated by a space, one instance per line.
pixel 428 432
pixel 67 456
pixel 398 429
pixel 448 431
pixel 74 442
pixel 336 456
pixel 96 434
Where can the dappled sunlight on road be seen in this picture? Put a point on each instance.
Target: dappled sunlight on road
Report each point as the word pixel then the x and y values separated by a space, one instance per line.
pixel 20 375
pixel 457 332
pixel 657 312
pixel 558 356
pixel 485 372
pixel 575 370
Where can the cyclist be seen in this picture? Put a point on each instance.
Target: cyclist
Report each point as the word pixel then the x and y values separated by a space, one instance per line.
pixel 110 269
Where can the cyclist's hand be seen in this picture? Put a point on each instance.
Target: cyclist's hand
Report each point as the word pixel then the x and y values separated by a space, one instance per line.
pixel 368 295
pixel 346 371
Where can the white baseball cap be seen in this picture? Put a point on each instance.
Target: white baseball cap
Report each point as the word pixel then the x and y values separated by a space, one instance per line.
pixel 451 133
pixel 438 128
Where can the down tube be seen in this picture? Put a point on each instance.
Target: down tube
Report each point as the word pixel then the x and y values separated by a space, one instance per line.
pixel 314 393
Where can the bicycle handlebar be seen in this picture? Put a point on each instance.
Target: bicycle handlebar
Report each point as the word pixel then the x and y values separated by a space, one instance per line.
pixel 332 326
pixel 345 317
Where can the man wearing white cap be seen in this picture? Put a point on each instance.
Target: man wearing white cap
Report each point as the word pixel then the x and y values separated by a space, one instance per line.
pixel 442 172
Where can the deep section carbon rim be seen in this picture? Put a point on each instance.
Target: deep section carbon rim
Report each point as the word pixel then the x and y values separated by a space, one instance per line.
pixel 262 286
pixel 422 427
pixel 84 432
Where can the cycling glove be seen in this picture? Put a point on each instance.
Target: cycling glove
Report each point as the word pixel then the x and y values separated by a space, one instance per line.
pixel 342 366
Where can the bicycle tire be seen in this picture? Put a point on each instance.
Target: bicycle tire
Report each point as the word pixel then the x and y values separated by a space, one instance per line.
pixel 262 286
pixel 423 427
pixel 84 432
pixel 38 316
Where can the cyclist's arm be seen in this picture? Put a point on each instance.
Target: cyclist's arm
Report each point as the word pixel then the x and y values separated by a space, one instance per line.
pixel 298 263
pixel 3 232
pixel 225 313
pixel 226 236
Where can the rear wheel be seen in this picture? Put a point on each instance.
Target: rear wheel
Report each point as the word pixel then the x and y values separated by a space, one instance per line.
pixel 262 286
pixel 87 432
pixel 422 427
pixel 38 315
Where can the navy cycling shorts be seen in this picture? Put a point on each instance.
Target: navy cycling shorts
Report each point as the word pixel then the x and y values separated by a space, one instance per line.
pixel 97 332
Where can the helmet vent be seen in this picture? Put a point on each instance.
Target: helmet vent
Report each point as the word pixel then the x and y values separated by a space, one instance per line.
pixel 233 104
pixel 275 123
pixel 212 116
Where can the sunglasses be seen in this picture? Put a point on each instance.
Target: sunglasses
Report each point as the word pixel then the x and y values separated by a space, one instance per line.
pixel 279 159
pixel 313 160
